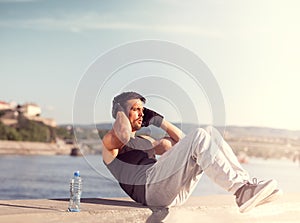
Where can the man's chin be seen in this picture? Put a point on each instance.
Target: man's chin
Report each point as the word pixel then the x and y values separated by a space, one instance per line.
pixel 137 127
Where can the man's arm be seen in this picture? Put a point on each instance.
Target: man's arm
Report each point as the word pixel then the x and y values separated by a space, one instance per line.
pixel 116 138
pixel 122 128
pixel 175 133
pixel 163 145
pixel 153 118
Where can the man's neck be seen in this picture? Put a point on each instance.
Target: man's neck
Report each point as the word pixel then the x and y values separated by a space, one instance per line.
pixel 132 134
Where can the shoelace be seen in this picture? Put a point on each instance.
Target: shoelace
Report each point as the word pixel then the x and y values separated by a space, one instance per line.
pixel 254 182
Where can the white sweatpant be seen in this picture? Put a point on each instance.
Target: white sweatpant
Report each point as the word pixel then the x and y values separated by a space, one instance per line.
pixel 172 179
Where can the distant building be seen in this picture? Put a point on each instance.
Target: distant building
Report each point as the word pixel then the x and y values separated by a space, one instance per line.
pixel 31 110
pixel 5 106
pixel 8 113
pixel 47 121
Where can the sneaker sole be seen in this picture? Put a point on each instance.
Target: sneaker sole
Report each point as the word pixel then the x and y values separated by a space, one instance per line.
pixel 261 195
pixel 274 196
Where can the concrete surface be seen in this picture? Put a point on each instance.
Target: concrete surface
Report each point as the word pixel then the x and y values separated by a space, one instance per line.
pixel 216 208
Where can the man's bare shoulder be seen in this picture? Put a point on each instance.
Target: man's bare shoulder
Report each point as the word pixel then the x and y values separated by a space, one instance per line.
pixel 111 141
pixel 108 135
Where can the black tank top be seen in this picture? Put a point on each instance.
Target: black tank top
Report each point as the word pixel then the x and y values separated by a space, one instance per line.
pixel 130 166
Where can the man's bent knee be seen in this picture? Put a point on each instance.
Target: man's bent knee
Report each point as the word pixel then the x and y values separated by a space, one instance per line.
pixel 201 132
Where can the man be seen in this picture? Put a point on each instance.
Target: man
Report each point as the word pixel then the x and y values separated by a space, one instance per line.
pixel 170 180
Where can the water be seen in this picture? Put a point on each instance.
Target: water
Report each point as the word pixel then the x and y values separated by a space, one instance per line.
pixel 75 192
pixel 27 177
pixel 32 177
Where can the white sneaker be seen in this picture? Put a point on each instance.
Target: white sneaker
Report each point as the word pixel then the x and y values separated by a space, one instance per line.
pixel 277 193
pixel 251 194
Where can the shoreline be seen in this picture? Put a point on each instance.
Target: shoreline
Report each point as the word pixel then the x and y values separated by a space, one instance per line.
pixel 213 208
pixel 34 148
pixel 243 149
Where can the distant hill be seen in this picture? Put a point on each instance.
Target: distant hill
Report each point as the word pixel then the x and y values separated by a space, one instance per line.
pixel 236 131
pixel 231 131
pixel 252 141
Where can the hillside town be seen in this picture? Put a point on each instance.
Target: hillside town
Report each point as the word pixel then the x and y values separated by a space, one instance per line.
pixel 25 132
pixel 245 141
pixel 9 113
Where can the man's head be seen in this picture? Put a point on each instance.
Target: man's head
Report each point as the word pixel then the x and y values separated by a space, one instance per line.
pixel 132 104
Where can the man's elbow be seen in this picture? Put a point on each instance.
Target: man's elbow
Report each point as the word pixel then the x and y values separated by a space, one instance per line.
pixel 164 145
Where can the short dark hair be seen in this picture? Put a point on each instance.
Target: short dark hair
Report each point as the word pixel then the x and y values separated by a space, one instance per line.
pixel 123 98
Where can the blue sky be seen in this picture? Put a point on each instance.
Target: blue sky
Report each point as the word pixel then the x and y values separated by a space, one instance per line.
pixel 251 46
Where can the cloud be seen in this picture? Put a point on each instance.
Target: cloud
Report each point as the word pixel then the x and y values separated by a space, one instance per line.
pixel 92 21
pixel 16 1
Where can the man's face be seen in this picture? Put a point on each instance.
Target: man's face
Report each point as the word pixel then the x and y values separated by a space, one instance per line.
pixel 135 113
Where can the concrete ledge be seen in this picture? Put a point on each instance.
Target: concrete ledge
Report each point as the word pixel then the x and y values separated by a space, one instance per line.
pixel 217 208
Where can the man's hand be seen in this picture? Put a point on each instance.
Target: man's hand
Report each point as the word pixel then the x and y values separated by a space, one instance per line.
pixel 151 118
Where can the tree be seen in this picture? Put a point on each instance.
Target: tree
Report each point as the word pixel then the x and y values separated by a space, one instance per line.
pixel 8 133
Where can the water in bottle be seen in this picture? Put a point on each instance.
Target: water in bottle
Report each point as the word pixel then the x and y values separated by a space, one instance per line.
pixel 75 192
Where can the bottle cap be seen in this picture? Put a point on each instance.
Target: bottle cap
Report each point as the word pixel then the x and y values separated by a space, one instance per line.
pixel 76 173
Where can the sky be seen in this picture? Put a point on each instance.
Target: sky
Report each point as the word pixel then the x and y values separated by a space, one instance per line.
pixel 251 47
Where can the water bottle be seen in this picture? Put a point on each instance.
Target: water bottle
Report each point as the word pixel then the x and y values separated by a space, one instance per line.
pixel 75 192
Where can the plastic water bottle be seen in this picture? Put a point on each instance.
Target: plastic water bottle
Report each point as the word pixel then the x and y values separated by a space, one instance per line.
pixel 75 192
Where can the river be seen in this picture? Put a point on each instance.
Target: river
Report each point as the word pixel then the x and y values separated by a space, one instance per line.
pixel 32 177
